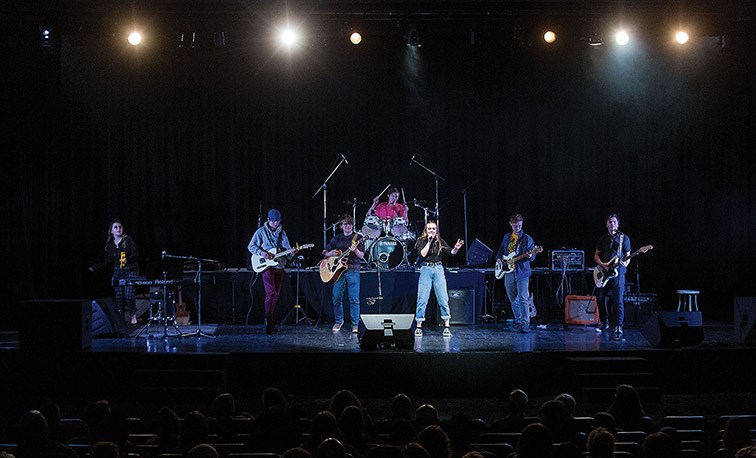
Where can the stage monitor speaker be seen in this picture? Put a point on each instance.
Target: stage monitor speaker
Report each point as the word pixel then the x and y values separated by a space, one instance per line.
pixel 580 310
pixel 55 325
pixel 478 253
pixel 462 306
pixel 387 331
pixel 674 329
pixel 745 320
pixel 106 319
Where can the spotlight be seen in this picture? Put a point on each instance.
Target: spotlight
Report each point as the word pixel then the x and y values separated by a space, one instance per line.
pixel 549 37
pixel 682 37
pixel 135 38
pixel 355 38
pixel 289 37
pixel 622 38
pixel 413 38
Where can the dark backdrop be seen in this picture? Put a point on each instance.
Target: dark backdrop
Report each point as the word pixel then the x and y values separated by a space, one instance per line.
pixel 185 145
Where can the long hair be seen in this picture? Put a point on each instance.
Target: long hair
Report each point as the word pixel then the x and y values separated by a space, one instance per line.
pixel 110 230
pixel 436 243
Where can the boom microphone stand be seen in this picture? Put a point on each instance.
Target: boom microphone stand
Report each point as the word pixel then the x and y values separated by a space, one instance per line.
pixel 198 282
pixel 436 176
pixel 324 187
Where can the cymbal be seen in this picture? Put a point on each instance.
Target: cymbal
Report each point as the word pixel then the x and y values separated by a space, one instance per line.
pixel 350 202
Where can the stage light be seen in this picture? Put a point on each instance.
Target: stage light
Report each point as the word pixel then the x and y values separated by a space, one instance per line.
pixel 135 38
pixel 289 37
pixel 622 38
pixel 682 37
pixel 549 37
pixel 355 38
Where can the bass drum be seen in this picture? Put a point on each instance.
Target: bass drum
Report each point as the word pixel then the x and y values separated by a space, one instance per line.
pixel 387 252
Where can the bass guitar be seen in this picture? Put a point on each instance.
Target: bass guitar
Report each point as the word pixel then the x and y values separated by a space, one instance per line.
pixel 505 264
pixel 602 276
pixel 332 267
pixel 260 264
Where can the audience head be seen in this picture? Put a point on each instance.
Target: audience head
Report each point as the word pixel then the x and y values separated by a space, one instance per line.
pixel 402 432
pixel 272 397
pixel 202 451
pixel 401 406
pixel 341 400
pixel 168 429
pixel 324 425
pixel 296 452
pixel 518 402
pixel 385 451
pixel 33 429
pixel 51 412
pixel 331 448
pixel 105 450
pixel 569 403
pixel 746 452
pixel 415 450
pixel 435 441
pixel 535 442
pixel 659 445
pixel 351 422
pixel 737 434
pixel 426 415
pixel 605 420
pixel 223 405
pixel 627 401
pixel 194 429
pixel 600 443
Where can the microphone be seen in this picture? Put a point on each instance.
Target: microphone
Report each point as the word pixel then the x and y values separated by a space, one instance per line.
pixel 413 159
pixel 344 157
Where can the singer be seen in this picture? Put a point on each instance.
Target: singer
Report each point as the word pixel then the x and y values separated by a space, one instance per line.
pixel 430 248
pixel 389 209
pixel 612 309
pixel 122 253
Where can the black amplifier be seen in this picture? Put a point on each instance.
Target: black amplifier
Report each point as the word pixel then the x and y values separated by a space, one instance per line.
pixel 567 260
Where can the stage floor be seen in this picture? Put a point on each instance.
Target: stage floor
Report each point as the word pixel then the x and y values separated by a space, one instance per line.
pixel 318 337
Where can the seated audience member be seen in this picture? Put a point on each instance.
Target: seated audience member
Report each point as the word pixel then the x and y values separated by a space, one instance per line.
pixel 516 420
pixel 402 432
pixel 202 451
pixel 105 450
pixel 223 419
pixel 352 426
pixel 628 412
pixel 555 418
pixel 296 452
pixel 605 420
pixel 425 415
pixel 535 442
pixel 324 426
pixel 600 443
pixel 435 441
pixel 746 452
pixel 61 431
pixel 401 407
pixel 194 431
pixel 276 428
pixel 737 435
pixel 461 434
pixel 660 445
pixel 331 448
pixel 415 450
pixel 168 430
pixel 33 439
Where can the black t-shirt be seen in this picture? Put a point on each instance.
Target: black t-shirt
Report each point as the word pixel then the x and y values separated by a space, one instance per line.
pixel 435 252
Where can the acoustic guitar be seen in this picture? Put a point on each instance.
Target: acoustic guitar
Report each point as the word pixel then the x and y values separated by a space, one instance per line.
pixel 332 267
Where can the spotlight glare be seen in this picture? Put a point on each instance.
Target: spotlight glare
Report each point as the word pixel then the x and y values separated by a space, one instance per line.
pixel 549 37
pixel 622 38
pixel 289 37
pixel 355 38
pixel 682 37
pixel 135 38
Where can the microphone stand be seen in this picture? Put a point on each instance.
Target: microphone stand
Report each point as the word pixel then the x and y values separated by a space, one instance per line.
pixel 324 187
pixel 198 282
pixel 437 177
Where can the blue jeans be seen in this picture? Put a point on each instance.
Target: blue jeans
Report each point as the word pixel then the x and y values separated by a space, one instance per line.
pixel 517 291
pixel 432 276
pixel 350 278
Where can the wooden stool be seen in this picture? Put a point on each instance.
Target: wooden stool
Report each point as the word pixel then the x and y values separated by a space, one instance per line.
pixel 687 300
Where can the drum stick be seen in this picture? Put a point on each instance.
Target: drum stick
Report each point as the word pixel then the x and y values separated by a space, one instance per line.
pixel 384 190
pixel 404 198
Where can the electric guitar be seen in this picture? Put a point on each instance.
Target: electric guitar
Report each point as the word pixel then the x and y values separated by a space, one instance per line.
pixel 260 264
pixel 332 267
pixel 505 264
pixel 602 276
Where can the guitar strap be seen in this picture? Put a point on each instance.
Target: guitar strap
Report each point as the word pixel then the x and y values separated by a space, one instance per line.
pixel 619 248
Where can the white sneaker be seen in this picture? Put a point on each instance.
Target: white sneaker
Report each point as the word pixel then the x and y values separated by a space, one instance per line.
pixel 447 332
pixel 336 327
pixel 418 332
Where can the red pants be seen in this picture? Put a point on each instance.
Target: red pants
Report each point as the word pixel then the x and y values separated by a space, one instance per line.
pixel 272 280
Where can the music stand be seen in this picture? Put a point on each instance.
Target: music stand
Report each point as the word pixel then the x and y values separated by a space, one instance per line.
pixel 297 307
pixel 198 281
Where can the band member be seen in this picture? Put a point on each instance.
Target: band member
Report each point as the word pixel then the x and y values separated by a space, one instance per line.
pixel 430 248
pixel 390 208
pixel 611 298
pixel 122 252
pixel 517 281
pixel 339 244
pixel 268 238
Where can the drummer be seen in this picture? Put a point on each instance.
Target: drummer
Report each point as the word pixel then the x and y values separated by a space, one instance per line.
pixel 390 209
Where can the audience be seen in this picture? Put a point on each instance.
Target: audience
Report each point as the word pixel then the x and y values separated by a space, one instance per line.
pixel 515 421
pixel 600 443
pixel 628 412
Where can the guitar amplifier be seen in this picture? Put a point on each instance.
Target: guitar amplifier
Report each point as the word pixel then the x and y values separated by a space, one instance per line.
pixel 567 260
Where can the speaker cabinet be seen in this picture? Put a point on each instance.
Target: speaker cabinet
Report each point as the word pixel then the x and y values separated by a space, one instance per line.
pixel 387 331
pixel 674 329
pixel 580 310
pixel 745 319
pixel 639 308
pixel 55 325
pixel 462 306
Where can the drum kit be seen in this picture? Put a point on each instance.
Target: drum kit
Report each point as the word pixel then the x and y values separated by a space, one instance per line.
pixel 386 241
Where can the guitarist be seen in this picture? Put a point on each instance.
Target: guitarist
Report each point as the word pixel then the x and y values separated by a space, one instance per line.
pixel 517 281
pixel 268 237
pixel 350 278
pixel 612 309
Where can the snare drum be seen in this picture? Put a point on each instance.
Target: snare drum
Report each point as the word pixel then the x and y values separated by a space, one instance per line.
pixel 387 252
pixel 372 227
pixel 408 236
pixel 398 226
